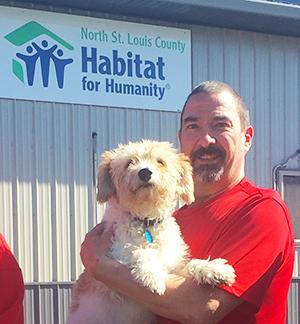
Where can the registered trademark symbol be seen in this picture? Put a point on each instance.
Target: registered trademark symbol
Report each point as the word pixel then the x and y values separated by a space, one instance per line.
pixel 168 87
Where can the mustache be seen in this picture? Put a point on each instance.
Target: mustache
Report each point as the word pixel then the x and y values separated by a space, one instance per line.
pixel 207 150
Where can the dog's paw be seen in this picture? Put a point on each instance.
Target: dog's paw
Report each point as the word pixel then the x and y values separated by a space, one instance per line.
pixel 214 272
pixel 158 287
pixel 154 281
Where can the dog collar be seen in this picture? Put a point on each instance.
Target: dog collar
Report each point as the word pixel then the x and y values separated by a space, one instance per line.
pixel 146 223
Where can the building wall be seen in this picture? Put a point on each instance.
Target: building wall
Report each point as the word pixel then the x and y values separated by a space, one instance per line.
pixel 47 176
pixel 46 154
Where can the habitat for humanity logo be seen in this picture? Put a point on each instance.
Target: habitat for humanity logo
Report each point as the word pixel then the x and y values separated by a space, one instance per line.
pixel 43 52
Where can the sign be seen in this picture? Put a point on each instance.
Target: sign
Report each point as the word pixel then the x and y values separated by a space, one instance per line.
pixel 73 59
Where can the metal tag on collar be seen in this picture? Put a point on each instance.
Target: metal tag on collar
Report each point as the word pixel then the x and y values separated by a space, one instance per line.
pixel 148 236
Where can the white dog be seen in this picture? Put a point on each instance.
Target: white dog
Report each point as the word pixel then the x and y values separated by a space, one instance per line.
pixel 142 182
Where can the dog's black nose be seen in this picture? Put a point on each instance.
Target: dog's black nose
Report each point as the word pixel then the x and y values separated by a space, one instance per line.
pixel 145 174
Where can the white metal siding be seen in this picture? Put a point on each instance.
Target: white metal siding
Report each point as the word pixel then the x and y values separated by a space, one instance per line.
pixel 47 177
pixel 47 303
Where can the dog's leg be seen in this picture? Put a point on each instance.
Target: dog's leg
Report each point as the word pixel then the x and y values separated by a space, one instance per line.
pixel 214 272
pixel 148 270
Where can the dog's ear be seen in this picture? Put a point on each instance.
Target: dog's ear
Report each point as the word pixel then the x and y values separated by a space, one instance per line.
pixel 105 185
pixel 185 187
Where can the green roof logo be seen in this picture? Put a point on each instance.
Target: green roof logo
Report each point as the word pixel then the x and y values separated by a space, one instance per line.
pixel 42 53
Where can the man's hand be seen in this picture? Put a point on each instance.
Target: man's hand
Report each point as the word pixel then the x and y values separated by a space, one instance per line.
pixel 96 246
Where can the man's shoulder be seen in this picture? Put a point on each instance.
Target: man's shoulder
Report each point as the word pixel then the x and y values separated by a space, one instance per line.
pixel 266 206
pixel 260 193
pixel 243 197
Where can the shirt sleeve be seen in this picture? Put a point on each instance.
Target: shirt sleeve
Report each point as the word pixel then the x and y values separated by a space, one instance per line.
pixel 11 287
pixel 11 299
pixel 255 243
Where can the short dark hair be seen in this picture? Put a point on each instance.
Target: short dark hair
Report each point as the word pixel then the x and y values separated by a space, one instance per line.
pixel 214 86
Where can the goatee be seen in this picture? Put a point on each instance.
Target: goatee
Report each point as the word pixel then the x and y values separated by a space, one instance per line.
pixel 208 172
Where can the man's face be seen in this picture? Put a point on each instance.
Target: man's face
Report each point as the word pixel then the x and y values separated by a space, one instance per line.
pixel 211 135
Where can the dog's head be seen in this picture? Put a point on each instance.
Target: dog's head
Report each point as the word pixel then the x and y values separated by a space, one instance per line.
pixel 145 176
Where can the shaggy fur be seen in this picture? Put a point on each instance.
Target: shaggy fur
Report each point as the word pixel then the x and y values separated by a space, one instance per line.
pixel 142 182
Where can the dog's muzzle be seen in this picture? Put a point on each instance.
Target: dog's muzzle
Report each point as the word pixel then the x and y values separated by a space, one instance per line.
pixel 145 174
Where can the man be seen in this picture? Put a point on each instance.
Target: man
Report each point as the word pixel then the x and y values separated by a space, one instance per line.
pixel 11 285
pixel 231 218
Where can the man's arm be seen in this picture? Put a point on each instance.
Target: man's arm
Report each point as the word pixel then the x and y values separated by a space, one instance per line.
pixel 183 300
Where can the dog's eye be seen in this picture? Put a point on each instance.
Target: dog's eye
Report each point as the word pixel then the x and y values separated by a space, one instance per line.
pixel 130 162
pixel 161 162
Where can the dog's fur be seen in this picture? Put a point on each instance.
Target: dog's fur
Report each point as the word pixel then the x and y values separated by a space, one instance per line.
pixel 142 182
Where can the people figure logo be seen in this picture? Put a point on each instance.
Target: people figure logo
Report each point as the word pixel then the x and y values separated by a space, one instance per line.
pixel 45 54
pixel 48 57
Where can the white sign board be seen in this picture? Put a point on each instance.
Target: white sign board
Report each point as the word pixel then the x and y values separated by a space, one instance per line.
pixel 65 58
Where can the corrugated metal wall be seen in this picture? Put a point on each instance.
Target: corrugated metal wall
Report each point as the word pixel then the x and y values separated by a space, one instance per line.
pixel 46 154
pixel 46 176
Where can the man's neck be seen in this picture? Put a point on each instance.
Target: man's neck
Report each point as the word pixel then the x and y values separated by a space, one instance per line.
pixel 205 191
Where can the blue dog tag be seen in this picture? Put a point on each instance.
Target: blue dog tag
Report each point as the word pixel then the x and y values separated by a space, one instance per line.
pixel 148 236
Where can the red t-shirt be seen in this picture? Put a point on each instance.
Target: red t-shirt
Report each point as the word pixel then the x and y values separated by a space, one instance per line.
pixel 11 287
pixel 251 228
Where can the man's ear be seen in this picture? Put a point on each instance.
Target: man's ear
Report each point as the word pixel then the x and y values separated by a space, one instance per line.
pixel 179 136
pixel 185 188
pixel 105 185
pixel 249 133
